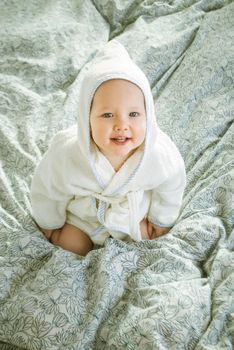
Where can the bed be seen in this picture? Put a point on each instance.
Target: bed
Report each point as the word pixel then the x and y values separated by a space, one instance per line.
pixel 175 292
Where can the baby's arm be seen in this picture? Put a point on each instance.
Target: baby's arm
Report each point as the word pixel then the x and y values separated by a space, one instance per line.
pixel 166 203
pixel 50 192
pixel 70 238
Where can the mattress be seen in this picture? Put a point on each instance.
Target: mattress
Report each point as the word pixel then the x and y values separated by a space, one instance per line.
pixel 174 292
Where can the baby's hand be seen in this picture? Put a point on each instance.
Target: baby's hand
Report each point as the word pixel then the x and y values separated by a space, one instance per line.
pixel 157 231
pixel 150 231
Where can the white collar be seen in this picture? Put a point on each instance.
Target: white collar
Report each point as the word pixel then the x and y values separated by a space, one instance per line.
pixel 106 171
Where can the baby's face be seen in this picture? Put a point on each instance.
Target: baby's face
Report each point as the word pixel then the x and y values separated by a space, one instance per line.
pixel 118 119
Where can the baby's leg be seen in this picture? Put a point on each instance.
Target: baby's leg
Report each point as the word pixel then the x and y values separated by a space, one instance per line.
pixel 72 239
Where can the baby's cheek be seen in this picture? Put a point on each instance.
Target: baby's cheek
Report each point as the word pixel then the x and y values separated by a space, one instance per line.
pixel 141 134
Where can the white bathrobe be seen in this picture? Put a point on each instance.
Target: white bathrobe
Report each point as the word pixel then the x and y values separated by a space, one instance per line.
pixel 75 183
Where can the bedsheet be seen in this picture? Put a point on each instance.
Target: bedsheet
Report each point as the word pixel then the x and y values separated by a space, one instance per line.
pixel 175 292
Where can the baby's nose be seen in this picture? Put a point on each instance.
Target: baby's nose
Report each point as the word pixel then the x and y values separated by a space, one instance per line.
pixel 121 125
pixel 120 128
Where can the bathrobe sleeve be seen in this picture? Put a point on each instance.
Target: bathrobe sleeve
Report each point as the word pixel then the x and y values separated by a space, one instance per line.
pixel 48 189
pixel 166 199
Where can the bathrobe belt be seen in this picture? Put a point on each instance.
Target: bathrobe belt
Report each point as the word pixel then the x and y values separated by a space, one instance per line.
pixel 133 202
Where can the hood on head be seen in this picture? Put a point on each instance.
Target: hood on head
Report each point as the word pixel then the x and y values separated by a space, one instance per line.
pixel 112 62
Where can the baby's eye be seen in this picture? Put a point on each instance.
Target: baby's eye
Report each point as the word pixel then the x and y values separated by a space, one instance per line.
pixel 107 115
pixel 134 114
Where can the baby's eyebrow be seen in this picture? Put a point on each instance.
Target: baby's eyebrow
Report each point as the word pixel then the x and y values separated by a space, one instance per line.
pixel 104 108
pixel 132 108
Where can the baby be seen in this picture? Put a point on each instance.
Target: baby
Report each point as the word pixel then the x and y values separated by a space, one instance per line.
pixel 118 175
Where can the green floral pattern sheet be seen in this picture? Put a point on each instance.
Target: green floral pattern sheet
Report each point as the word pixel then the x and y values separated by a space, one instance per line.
pixel 176 292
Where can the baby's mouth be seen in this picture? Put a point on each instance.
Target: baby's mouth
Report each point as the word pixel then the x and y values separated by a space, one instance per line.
pixel 120 140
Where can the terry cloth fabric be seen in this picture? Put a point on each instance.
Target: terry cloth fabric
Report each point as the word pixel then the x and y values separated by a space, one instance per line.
pixel 75 183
